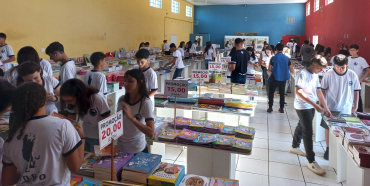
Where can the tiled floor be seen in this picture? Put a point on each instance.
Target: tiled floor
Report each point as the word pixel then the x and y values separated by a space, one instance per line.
pixel 271 164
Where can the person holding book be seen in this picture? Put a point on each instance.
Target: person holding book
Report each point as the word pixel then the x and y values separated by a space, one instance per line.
pixel 40 149
pixel 88 104
pixel 32 72
pixel 341 88
pixel 138 115
pixel 68 70
pixel 308 91
pixel 176 62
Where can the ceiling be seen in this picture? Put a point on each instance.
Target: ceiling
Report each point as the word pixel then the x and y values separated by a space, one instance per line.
pixel 242 2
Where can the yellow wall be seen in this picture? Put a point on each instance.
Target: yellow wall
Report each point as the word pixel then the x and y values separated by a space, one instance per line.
pixel 81 25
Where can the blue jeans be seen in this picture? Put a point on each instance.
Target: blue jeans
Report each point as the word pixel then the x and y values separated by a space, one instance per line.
pixel 240 79
pixel 177 73
pixel 89 144
pixel 206 62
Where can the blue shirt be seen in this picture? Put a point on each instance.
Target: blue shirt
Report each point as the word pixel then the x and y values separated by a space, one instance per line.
pixel 280 67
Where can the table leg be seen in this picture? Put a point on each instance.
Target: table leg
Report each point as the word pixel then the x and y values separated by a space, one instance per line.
pixel 333 142
pixel 341 162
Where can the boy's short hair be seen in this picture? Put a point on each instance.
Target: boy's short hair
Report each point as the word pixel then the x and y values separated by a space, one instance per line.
pixel 243 39
pixel 340 60
pixel 238 41
pixel 142 54
pixel 268 48
pixel 147 43
pixel 196 41
pixel 319 60
pixel 279 47
pixel 54 47
pixel 344 52
pixel 355 46
pixel 96 57
pixel 2 35
pixel 6 94
pixel 173 45
pixel 306 42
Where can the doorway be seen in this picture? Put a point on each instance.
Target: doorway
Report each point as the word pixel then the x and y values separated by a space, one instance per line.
pixel 315 40
pixel 174 39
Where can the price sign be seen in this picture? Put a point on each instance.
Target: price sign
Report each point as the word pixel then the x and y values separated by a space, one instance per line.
pixel 176 88
pixel 214 66
pixel 151 58
pixel 216 45
pixel 157 49
pixel 110 128
pixel 325 70
pixel 225 59
pixel 192 51
pixel 200 75
pixel 133 52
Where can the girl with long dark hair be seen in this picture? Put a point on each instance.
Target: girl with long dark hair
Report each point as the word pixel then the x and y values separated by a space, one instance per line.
pixel 141 45
pixel 182 49
pixel 208 54
pixel 43 149
pixel 138 115
pixel 32 72
pixel 253 62
pixel 187 50
pixel 327 55
pixel 88 104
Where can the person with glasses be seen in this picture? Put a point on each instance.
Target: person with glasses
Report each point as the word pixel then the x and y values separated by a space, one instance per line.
pixel 341 88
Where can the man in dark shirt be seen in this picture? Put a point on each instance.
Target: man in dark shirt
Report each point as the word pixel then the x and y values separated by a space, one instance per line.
pixel 239 63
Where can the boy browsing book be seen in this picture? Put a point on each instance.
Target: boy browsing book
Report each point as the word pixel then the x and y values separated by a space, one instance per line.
pixel 308 91
pixel 177 62
pixel 68 70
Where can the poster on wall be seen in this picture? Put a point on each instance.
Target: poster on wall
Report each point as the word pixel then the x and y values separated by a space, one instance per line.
pixel 258 40
pixel 245 33
pixel 200 40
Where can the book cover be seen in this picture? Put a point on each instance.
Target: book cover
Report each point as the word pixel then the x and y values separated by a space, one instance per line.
pixel 88 183
pixel 224 140
pixel 207 106
pixel 242 143
pixel 169 134
pixel 228 130
pixel 223 182
pixel 188 134
pixel 204 138
pixel 89 160
pixel 366 122
pixel 213 125
pixel 75 180
pixel 352 119
pixel 197 123
pixel 75 123
pixel 119 161
pixel 167 172
pixel 194 180
pixel 245 130
pixel 143 162
pixel 361 149
pixel 104 152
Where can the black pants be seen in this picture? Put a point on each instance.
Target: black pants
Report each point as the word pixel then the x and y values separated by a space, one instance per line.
pixel 273 85
pixel 263 74
pixel 304 130
pixel 1 72
pixel 360 106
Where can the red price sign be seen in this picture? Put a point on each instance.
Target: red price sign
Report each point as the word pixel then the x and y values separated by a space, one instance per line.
pixel 176 88
pixel 200 75
pixel 225 59
pixel 133 52
pixel 110 128
pixel 214 66
pixel 151 59
pixel 325 70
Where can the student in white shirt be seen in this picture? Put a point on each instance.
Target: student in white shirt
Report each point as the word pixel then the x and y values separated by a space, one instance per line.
pixel 294 48
pixel 146 44
pixel 253 62
pixel 138 115
pixel 182 49
pixel 290 45
pixel 341 88
pixel 166 48
pixel 265 65
pixel 208 55
pixel 7 54
pixel 360 67
pixel 151 83
pixel 88 104
pixel 46 66
pixel 194 48
pixel 187 50
pixel 40 149
pixel 68 70
pixel 32 72
pixel 176 62
pixel 141 45
pixel 308 91
pixel 244 44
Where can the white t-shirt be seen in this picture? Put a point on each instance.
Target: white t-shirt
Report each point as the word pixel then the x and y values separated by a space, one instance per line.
pixel 339 90
pixel 98 80
pixel 294 47
pixel 263 54
pixel 133 140
pixel 267 60
pixel 182 52
pixel 289 45
pixel 332 61
pixel 250 68
pixel 167 47
pixel 12 75
pixel 40 153
pixel 209 54
pixel 309 83
pixel 50 84
pixel 67 71
pixel 179 64
pixel 194 47
pixel 6 53
pixel 358 65
pixel 46 66
pixel 98 109
pixel 150 81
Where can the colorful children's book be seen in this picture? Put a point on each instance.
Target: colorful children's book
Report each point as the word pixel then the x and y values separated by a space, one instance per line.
pixel 181 122
pixel 223 142
pixel 187 136
pixel 75 180
pixel 104 152
pixel 206 139
pixel 89 160
pixel 169 135
pixel 223 182
pixel 166 174
pixel 194 180
pixel 143 163
pixel 119 161
pixel 245 132
pixel 75 123
pixel 242 145
pixel 228 130
pixel 88 183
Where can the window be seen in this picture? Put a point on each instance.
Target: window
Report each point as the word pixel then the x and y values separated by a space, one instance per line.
pixel 328 2
pixel 156 3
pixel 290 20
pixel 189 11
pixel 317 5
pixel 308 9
pixel 175 7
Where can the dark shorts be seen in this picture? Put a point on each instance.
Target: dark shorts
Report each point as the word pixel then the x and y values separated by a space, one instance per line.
pixel 323 123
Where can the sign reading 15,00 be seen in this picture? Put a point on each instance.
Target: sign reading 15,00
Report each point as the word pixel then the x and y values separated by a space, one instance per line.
pixel 200 75
pixel 176 88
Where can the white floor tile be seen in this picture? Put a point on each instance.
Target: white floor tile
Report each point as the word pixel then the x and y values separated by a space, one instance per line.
pixel 258 120
pixel 279 129
pixel 261 114
pixel 328 179
pixel 280 136
pixel 251 179
pixel 287 171
pixel 258 126
pixel 278 116
pixel 252 166
pixel 312 184
pixel 183 156
pixel 280 145
pixel 278 122
pixel 257 153
pixel 261 134
pixel 319 151
pixel 260 143
pixel 293 122
pixel 319 159
pixel 285 182
pixel 283 157
pixel 172 152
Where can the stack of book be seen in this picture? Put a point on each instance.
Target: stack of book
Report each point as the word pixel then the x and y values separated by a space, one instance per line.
pixel 194 180
pixel 187 136
pixel 203 88
pixel 252 90
pixel 86 168
pixel 238 89
pixel 211 101
pixel 166 174
pixel 223 182
pixel 181 122
pixel 361 155
pixel 335 130
pixel 208 107
pixel 169 135
pixel 355 138
pixel 225 89
pixel 197 125
pixel 335 119
pixel 75 180
pixel 213 88
pixel 362 115
pixel 228 130
pixel 237 103
pixel 213 127
pixel 224 142
pixel 160 124
pixel 88 183
pixel 205 140
pixel 116 183
pixel 139 167
pixel 245 132
pixel 351 119
pixel 179 105
pixel 192 86
pixel 102 167
pixel 192 98
pixel 121 80
pixel 242 145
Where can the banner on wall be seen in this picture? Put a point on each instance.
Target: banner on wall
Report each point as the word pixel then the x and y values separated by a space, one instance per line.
pixel 258 41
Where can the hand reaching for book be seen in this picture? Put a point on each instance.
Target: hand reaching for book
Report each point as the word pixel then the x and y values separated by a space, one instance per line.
pixel 318 108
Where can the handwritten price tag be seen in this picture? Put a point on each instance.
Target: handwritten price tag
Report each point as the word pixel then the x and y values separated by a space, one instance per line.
pixel 192 51
pixel 200 75
pixel 151 58
pixel 225 59
pixel 157 49
pixel 214 66
pixel 110 128
pixel 176 88
pixel 133 52
pixel 325 70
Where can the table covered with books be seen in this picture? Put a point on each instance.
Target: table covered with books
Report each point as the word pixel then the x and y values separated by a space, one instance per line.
pixel 349 144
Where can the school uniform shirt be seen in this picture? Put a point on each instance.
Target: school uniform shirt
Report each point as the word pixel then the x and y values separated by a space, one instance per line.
pixel 6 53
pixel 263 54
pixel 150 81
pixel 98 80
pixel 67 71
pixel 98 110
pixel 194 47
pixel 358 65
pixel 46 66
pixel 332 61
pixel 309 83
pixel 179 63
pixel 50 84
pixel 289 45
pixel 182 52
pixel 267 60
pixel 294 47
pixel 133 140
pixel 40 153
pixel 12 75
pixel 240 58
pixel 339 90
pixel 167 47
pixel 250 68
pixel 209 54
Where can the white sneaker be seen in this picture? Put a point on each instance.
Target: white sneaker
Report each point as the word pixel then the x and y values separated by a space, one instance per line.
pixel 298 151
pixel 315 168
